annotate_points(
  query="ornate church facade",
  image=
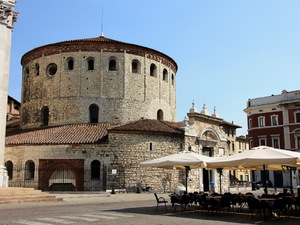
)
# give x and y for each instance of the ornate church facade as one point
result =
(93, 109)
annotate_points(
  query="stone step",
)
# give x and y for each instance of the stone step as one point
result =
(25, 200)
(22, 195)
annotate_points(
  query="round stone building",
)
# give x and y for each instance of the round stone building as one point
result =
(96, 80)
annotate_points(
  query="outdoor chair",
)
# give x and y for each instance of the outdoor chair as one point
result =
(160, 200)
(254, 206)
(281, 207)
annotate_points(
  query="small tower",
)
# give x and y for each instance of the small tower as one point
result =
(7, 17)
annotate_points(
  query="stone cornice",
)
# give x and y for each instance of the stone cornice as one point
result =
(97, 45)
(7, 14)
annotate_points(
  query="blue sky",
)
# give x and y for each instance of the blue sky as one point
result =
(227, 51)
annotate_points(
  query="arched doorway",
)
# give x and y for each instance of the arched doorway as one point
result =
(208, 139)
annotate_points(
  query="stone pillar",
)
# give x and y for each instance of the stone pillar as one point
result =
(286, 129)
(7, 17)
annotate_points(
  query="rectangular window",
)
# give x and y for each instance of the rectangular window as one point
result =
(262, 141)
(297, 116)
(261, 121)
(274, 120)
(298, 142)
(250, 123)
(275, 142)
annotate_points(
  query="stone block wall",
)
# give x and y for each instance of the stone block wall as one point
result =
(122, 95)
(124, 153)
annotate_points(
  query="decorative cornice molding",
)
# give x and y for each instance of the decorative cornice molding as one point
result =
(7, 14)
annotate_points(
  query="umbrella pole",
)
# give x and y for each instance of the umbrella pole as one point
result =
(220, 183)
(265, 179)
(219, 170)
(187, 168)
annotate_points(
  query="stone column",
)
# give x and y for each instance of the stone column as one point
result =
(7, 17)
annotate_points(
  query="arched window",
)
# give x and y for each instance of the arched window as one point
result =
(90, 64)
(172, 79)
(95, 169)
(37, 69)
(160, 114)
(45, 116)
(153, 70)
(9, 167)
(70, 64)
(94, 113)
(165, 75)
(112, 65)
(135, 66)
(29, 170)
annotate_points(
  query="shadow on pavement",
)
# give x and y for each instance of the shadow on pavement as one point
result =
(230, 218)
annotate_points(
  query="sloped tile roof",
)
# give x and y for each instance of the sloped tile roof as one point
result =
(147, 125)
(68, 134)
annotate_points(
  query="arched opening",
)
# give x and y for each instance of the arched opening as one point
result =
(160, 114)
(37, 69)
(173, 79)
(29, 170)
(9, 167)
(165, 75)
(153, 70)
(112, 65)
(62, 179)
(70, 64)
(90, 64)
(135, 66)
(95, 170)
(45, 116)
(94, 113)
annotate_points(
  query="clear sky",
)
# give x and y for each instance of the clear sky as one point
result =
(227, 51)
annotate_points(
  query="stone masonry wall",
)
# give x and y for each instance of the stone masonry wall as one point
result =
(124, 153)
(121, 95)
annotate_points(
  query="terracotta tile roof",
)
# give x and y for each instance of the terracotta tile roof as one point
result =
(147, 125)
(230, 124)
(68, 134)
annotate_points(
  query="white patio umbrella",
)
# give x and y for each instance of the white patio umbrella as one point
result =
(258, 158)
(184, 160)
